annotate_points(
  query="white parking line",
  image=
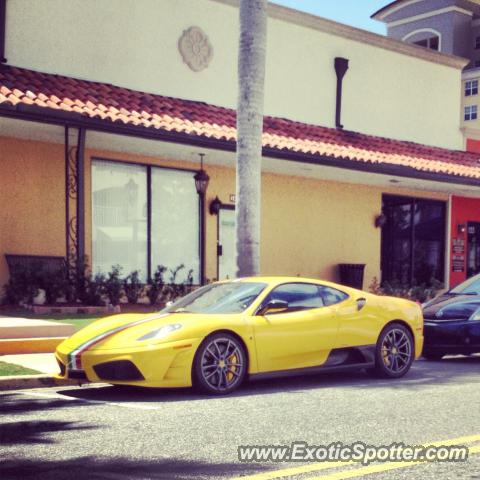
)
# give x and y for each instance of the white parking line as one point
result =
(57, 396)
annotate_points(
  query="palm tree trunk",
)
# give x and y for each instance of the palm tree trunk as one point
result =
(251, 78)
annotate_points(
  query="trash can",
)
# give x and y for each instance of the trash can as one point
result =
(351, 274)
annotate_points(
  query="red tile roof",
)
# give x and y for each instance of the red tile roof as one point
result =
(157, 113)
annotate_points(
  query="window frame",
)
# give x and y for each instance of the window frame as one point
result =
(392, 200)
(471, 88)
(428, 43)
(345, 294)
(470, 113)
(149, 167)
(264, 302)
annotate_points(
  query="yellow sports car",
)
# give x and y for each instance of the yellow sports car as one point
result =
(217, 336)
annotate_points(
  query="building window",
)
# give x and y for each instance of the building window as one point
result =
(477, 63)
(433, 43)
(175, 221)
(119, 201)
(477, 43)
(471, 88)
(470, 112)
(128, 201)
(413, 241)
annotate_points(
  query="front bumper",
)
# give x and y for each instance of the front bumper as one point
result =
(161, 365)
(458, 336)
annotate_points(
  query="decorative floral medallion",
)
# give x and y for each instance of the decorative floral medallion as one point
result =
(195, 48)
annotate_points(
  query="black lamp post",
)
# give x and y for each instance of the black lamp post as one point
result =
(201, 184)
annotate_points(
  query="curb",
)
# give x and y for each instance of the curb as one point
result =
(35, 381)
(13, 346)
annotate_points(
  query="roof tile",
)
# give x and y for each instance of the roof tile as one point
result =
(116, 104)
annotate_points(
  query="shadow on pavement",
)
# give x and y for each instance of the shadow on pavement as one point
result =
(13, 403)
(423, 374)
(35, 432)
(118, 468)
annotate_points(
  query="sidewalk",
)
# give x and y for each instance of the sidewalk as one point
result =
(42, 362)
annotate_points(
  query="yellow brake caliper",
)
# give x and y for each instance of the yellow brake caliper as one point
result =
(232, 359)
(386, 360)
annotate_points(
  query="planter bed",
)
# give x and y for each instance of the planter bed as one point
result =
(72, 309)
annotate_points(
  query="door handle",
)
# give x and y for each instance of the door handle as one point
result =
(219, 250)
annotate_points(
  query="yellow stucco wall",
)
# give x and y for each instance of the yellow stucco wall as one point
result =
(32, 200)
(308, 226)
(391, 83)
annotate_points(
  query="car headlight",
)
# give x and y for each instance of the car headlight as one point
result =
(161, 332)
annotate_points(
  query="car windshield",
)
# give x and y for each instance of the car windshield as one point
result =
(230, 297)
(468, 287)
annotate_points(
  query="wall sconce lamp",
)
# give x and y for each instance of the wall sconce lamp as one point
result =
(201, 178)
(461, 228)
(380, 220)
(215, 206)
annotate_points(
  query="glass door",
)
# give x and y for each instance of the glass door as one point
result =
(226, 257)
(473, 249)
(413, 240)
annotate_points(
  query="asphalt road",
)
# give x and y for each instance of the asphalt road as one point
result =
(103, 432)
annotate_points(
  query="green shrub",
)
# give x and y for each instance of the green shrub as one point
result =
(22, 287)
(78, 284)
(94, 290)
(417, 293)
(54, 284)
(132, 287)
(113, 285)
(156, 284)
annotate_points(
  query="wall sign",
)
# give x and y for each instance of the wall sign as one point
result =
(458, 263)
(458, 246)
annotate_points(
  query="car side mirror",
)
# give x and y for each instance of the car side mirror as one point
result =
(274, 306)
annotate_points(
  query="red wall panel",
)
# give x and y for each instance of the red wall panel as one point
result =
(473, 145)
(463, 210)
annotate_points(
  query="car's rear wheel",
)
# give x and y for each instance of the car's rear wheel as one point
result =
(394, 352)
(220, 364)
(433, 356)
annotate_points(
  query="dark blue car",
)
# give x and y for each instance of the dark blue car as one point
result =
(452, 321)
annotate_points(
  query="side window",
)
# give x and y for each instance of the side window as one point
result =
(331, 296)
(299, 296)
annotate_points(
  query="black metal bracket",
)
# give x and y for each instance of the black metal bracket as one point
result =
(3, 29)
(341, 67)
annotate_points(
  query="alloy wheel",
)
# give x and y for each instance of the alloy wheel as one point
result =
(222, 364)
(396, 351)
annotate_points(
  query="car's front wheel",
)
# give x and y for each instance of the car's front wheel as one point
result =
(220, 364)
(395, 351)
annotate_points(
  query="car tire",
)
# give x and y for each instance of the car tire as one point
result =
(394, 352)
(220, 364)
(433, 356)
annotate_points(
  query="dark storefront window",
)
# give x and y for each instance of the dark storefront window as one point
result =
(413, 240)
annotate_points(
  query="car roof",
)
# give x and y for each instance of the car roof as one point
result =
(277, 280)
